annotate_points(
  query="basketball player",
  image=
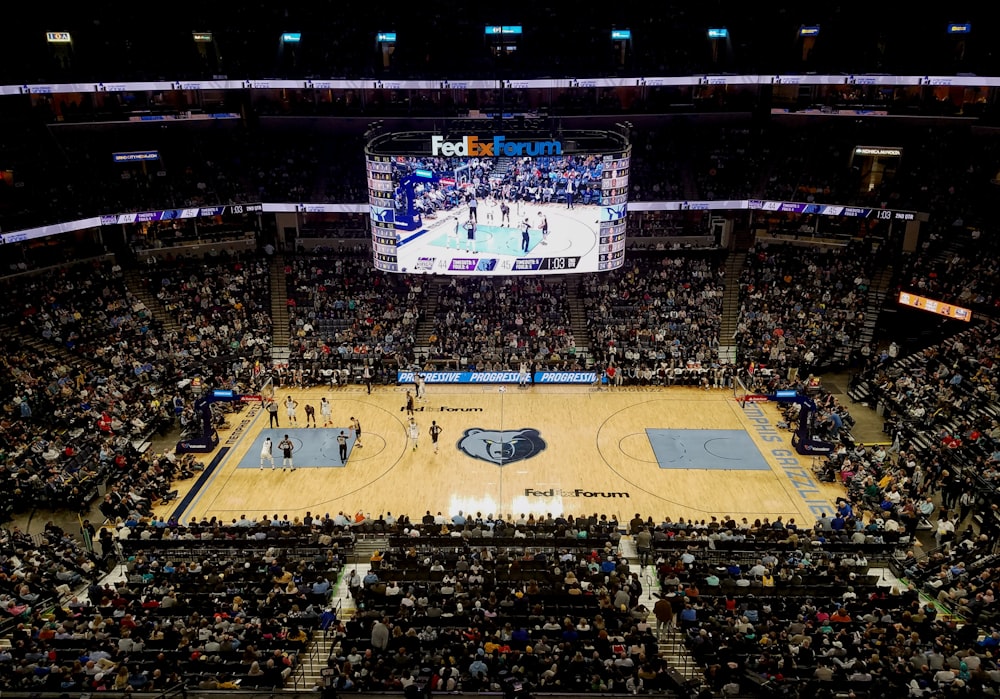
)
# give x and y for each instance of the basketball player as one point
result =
(421, 383)
(435, 432)
(504, 213)
(290, 406)
(453, 234)
(266, 454)
(356, 426)
(325, 410)
(543, 225)
(522, 379)
(342, 444)
(310, 415)
(414, 433)
(409, 403)
(470, 240)
(287, 448)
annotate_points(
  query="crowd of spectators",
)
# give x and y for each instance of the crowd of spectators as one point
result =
(941, 403)
(222, 310)
(657, 319)
(38, 570)
(213, 605)
(797, 608)
(493, 324)
(957, 265)
(78, 402)
(481, 600)
(343, 314)
(801, 307)
(97, 377)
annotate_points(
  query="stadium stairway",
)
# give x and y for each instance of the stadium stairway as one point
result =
(312, 662)
(279, 311)
(578, 321)
(428, 313)
(135, 284)
(876, 300)
(685, 671)
(322, 644)
(365, 546)
(731, 306)
(500, 169)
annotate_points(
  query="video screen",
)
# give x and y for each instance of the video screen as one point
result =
(498, 215)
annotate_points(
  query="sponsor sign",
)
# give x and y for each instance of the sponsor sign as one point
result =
(941, 308)
(575, 493)
(499, 377)
(474, 146)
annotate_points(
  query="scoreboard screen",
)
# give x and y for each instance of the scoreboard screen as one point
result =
(498, 206)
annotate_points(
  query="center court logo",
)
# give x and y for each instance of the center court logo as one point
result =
(473, 146)
(501, 448)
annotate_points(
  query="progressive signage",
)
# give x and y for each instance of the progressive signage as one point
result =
(499, 377)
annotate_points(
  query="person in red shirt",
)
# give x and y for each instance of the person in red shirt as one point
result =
(614, 375)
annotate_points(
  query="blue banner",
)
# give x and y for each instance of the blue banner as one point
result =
(498, 377)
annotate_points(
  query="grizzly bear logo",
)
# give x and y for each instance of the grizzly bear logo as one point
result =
(501, 448)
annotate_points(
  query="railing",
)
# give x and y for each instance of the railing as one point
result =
(179, 689)
(298, 676)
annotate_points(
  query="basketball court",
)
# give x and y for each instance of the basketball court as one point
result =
(677, 452)
(573, 232)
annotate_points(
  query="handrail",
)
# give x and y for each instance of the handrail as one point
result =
(179, 688)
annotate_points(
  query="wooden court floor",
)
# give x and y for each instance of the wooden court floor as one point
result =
(563, 449)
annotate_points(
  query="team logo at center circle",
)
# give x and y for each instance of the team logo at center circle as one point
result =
(501, 447)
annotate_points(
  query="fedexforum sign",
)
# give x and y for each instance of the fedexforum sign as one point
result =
(473, 146)
(575, 493)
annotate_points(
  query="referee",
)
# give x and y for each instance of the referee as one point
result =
(342, 443)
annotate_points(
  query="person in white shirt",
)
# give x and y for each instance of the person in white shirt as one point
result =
(290, 405)
(325, 410)
(414, 433)
(945, 529)
(266, 454)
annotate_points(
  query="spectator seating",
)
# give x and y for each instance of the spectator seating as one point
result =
(487, 324)
(342, 315)
(801, 305)
(658, 318)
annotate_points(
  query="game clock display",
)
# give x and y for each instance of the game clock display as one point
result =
(514, 207)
